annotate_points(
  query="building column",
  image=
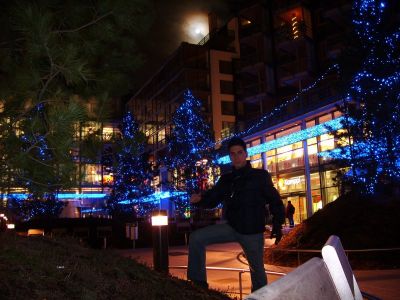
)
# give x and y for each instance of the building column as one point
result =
(309, 201)
(264, 154)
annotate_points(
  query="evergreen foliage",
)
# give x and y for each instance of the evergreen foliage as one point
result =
(133, 174)
(372, 105)
(190, 150)
(37, 206)
(55, 58)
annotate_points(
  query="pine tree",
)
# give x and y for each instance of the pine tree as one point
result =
(133, 173)
(190, 150)
(55, 56)
(373, 101)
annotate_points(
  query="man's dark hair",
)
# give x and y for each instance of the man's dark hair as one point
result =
(235, 141)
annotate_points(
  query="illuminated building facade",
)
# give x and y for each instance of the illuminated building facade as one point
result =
(205, 69)
(268, 73)
(290, 152)
(93, 177)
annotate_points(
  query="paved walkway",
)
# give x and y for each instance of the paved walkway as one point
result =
(384, 284)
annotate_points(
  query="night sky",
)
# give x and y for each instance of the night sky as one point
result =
(174, 23)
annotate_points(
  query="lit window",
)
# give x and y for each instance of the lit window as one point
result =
(327, 145)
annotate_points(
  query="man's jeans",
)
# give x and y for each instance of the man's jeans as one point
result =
(252, 245)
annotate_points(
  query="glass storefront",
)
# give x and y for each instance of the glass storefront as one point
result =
(299, 203)
(293, 188)
(255, 160)
(286, 165)
(91, 174)
(330, 188)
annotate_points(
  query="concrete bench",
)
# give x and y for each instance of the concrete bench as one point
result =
(328, 278)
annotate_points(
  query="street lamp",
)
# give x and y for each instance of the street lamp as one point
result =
(159, 222)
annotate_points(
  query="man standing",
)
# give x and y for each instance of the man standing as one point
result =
(289, 213)
(244, 193)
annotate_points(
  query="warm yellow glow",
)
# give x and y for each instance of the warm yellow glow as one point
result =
(195, 27)
(327, 145)
(108, 179)
(313, 149)
(35, 232)
(159, 220)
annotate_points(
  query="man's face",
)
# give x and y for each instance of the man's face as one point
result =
(238, 156)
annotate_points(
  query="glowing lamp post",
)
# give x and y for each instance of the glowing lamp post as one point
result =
(159, 222)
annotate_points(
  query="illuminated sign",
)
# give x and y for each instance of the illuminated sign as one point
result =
(292, 181)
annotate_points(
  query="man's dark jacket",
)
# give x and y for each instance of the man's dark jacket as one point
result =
(244, 193)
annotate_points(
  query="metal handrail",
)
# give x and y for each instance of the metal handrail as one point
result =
(369, 296)
(298, 251)
(240, 270)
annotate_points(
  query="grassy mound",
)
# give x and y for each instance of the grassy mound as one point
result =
(359, 222)
(41, 268)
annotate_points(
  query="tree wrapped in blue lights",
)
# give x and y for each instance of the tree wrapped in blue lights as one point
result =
(36, 206)
(373, 101)
(132, 175)
(190, 151)
(39, 165)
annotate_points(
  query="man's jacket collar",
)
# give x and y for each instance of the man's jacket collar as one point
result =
(242, 171)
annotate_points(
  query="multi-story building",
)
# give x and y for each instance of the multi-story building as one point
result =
(207, 70)
(273, 61)
(93, 176)
(285, 48)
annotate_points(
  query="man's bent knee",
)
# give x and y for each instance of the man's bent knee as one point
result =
(195, 238)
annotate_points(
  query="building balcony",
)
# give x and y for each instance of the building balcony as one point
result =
(249, 30)
(288, 37)
(289, 73)
(254, 58)
(220, 40)
(334, 45)
(254, 90)
(338, 11)
(251, 60)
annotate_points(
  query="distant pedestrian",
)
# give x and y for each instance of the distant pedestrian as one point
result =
(245, 192)
(290, 212)
(3, 225)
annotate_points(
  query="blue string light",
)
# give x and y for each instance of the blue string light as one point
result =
(305, 134)
(158, 196)
(71, 196)
(190, 156)
(374, 154)
(133, 173)
(279, 108)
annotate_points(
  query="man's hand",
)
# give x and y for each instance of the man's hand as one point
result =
(195, 198)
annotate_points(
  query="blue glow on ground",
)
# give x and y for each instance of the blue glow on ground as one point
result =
(62, 196)
(156, 197)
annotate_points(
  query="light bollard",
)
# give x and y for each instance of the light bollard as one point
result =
(159, 223)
